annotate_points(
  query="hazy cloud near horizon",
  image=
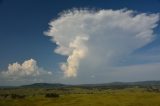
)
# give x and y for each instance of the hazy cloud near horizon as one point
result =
(96, 42)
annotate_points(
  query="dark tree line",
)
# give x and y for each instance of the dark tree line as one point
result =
(13, 96)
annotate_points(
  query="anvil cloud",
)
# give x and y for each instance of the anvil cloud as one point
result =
(93, 40)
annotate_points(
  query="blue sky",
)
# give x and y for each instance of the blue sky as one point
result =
(23, 23)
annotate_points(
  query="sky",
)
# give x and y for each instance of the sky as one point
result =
(79, 41)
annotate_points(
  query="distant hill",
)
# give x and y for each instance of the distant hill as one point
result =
(103, 85)
(43, 85)
(121, 85)
(139, 83)
(155, 83)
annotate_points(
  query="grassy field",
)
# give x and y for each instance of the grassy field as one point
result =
(80, 97)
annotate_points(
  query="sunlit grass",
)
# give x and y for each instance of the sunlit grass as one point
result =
(124, 97)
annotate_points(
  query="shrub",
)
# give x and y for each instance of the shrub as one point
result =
(15, 96)
(52, 95)
(4, 95)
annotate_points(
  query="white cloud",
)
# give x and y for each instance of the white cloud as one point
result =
(79, 52)
(28, 68)
(110, 36)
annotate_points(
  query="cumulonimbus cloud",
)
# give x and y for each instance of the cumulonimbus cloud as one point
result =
(99, 37)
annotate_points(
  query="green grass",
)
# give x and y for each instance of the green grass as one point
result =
(83, 97)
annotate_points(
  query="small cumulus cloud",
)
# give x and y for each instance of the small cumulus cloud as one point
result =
(94, 40)
(27, 70)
